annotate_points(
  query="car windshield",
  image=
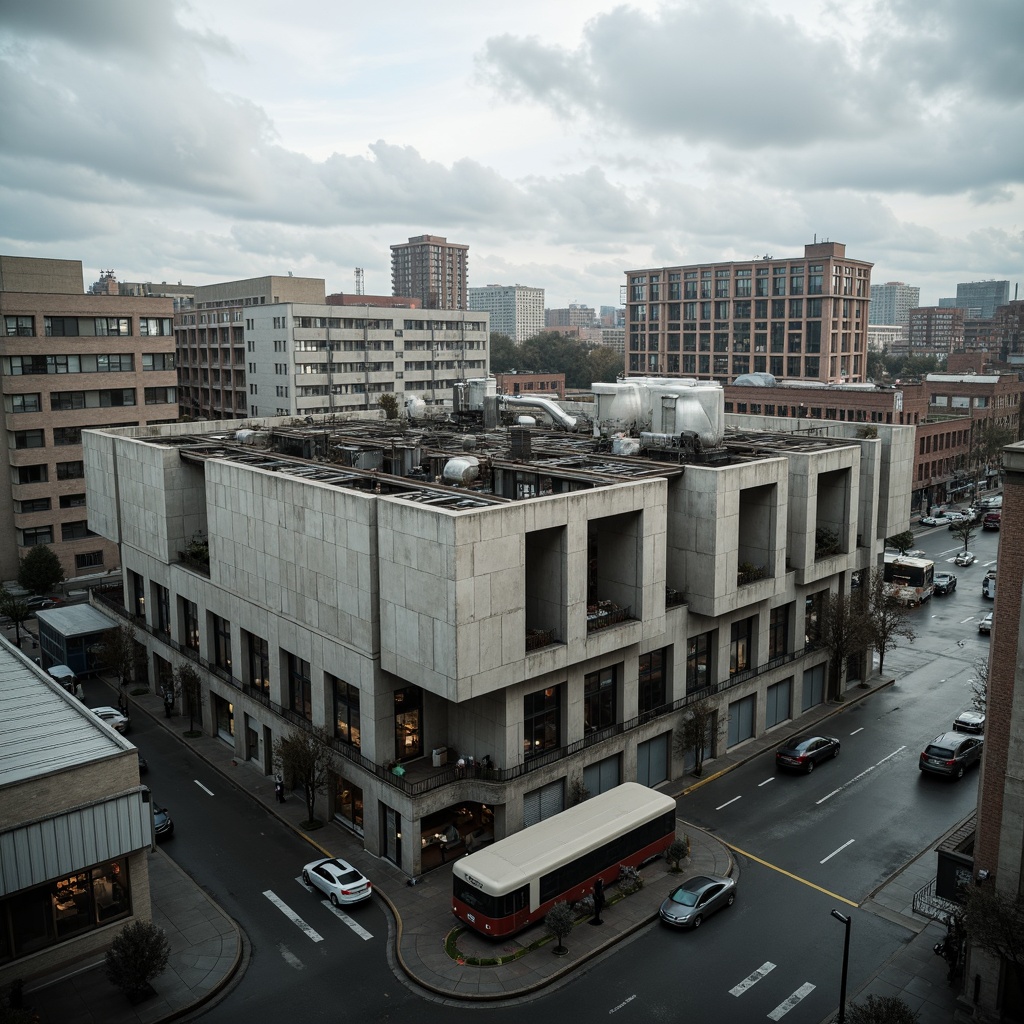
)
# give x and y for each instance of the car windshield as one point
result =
(684, 897)
(934, 751)
(348, 877)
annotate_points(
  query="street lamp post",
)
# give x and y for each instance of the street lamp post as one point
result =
(841, 1019)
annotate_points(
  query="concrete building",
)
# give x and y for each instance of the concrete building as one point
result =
(274, 346)
(885, 337)
(433, 270)
(801, 318)
(552, 384)
(933, 331)
(892, 302)
(69, 361)
(75, 826)
(573, 315)
(515, 310)
(983, 296)
(485, 620)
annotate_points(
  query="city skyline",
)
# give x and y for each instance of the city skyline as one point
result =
(202, 145)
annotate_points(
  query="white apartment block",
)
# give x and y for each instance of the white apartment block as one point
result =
(515, 310)
(892, 302)
(503, 615)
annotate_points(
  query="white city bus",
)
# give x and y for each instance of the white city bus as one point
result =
(910, 580)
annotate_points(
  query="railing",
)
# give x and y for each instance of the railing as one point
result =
(197, 564)
(928, 904)
(604, 617)
(674, 598)
(452, 773)
(537, 638)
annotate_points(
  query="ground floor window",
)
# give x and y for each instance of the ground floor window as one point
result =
(741, 720)
(225, 712)
(63, 908)
(602, 776)
(652, 760)
(777, 703)
(543, 802)
(814, 688)
(348, 803)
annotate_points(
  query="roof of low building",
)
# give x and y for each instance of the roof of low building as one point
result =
(76, 619)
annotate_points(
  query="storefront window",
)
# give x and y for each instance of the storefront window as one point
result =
(348, 803)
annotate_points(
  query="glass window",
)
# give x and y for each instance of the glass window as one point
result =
(76, 530)
(89, 560)
(698, 662)
(651, 682)
(20, 325)
(778, 632)
(190, 623)
(71, 470)
(346, 710)
(31, 536)
(67, 435)
(29, 439)
(300, 687)
(348, 803)
(741, 645)
(599, 699)
(258, 661)
(542, 725)
(25, 403)
(221, 642)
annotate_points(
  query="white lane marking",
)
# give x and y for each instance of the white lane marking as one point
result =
(752, 979)
(208, 792)
(786, 1005)
(968, 619)
(342, 916)
(893, 754)
(855, 731)
(857, 778)
(624, 1002)
(828, 796)
(292, 916)
(727, 802)
(771, 778)
(290, 958)
(834, 852)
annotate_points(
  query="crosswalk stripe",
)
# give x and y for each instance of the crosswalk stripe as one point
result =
(752, 979)
(342, 916)
(786, 1005)
(292, 916)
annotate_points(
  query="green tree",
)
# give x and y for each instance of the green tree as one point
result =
(888, 619)
(503, 353)
(902, 542)
(844, 631)
(117, 653)
(138, 954)
(307, 756)
(679, 849)
(881, 1010)
(559, 921)
(694, 730)
(188, 684)
(604, 364)
(16, 609)
(40, 570)
(390, 406)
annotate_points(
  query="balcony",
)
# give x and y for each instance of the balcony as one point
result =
(603, 614)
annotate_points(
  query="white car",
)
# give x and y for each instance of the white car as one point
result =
(965, 558)
(112, 717)
(338, 880)
(935, 520)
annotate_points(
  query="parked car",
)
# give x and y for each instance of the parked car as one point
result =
(804, 752)
(988, 584)
(162, 824)
(338, 880)
(945, 583)
(969, 721)
(112, 717)
(992, 521)
(956, 518)
(697, 898)
(940, 520)
(985, 626)
(951, 754)
(965, 558)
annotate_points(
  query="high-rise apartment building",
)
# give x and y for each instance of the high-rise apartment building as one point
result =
(934, 331)
(892, 302)
(71, 361)
(433, 270)
(803, 318)
(515, 310)
(983, 296)
(573, 315)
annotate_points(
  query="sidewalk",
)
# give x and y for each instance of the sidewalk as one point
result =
(423, 918)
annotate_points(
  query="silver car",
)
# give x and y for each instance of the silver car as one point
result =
(697, 898)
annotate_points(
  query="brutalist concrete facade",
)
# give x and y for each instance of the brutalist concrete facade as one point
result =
(556, 609)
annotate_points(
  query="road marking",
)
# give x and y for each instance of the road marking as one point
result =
(752, 979)
(786, 1005)
(727, 802)
(625, 1002)
(855, 731)
(771, 778)
(857, 778)
(970, 618)
(789, 874)
(834, 852)
(893, 754)
(342, 916)
(290, 958)
(208, 792)
(292, 916)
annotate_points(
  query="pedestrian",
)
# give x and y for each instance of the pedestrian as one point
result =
(598, 901)
(168, 702)
(279, 787)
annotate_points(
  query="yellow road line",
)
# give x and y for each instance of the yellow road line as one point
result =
(789, 874)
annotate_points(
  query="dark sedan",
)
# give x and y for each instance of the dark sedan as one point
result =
(945, 583)
(804, 752)
(697, 898)
(951, 754)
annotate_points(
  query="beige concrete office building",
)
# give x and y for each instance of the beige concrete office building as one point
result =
(70, 361)
(801, 318)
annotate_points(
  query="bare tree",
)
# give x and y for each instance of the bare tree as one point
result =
(882, 1010)
(978, 685)
(994, 920)
(188, 683)
(117, 654)
(306, 756)
(16, 609)
(888, 621)
(694, 728)
(844, 631)
(902, 542)
(964, 530)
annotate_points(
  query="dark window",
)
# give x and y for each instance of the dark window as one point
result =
(190, 622)
(162, 599)
(741, 645)
(346, 710)
(258, 657)
(542, 724)
(698, 662)
(31, 536)
(813, 617)
(72, 500)
(778, 632)
(89, 560)
(221, 643)
(161, 396)
(67, 435)
(348, 803)
(29, 439)
(61, 326)
(76, 530)
(599, 699)
(20, 325)
(71, 470)
(651, 683)
(33, 505)
(300, 687)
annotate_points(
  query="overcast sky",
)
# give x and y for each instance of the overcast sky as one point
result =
(565, 141)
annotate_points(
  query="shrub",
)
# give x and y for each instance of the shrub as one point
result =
(677, 851)
(138, 954)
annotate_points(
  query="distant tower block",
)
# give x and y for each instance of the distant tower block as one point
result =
(359, 281)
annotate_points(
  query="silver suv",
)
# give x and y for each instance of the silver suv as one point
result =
(951, 754)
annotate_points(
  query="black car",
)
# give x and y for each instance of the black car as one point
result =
(945, 583)
(951, 754)
(804, 752)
